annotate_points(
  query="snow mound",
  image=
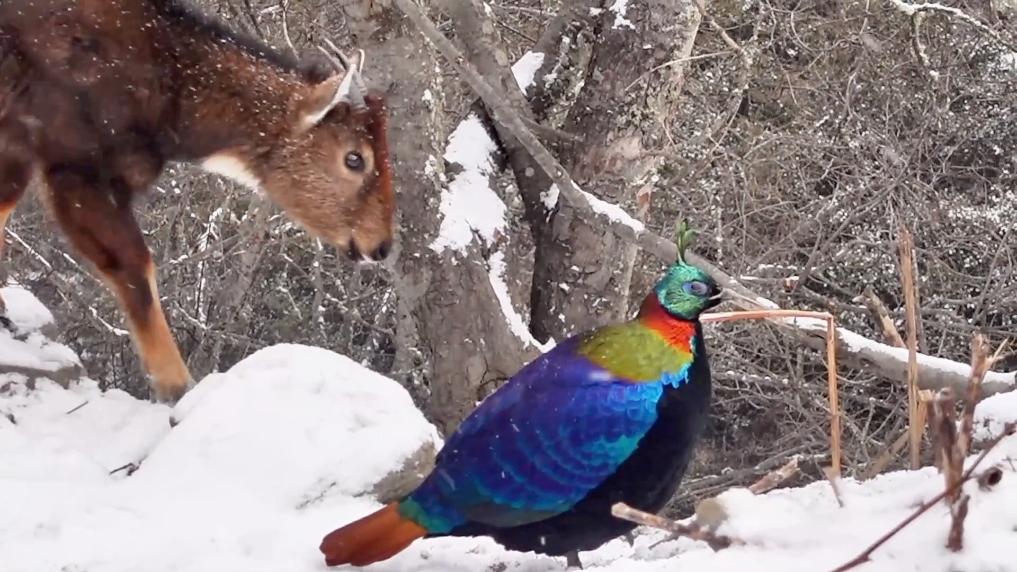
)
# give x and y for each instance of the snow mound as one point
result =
(287, 421)
(993, 413)
(263, 461)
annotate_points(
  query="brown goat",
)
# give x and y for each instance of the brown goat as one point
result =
(97, 95)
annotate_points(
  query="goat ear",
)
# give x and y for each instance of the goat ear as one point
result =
(323, 98)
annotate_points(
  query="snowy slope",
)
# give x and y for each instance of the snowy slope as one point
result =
(287, 445)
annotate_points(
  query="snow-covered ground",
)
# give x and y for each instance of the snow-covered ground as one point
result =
(287, 445)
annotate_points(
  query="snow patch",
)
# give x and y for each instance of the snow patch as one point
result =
(550, 197)
(469, 205)
(317, 393)
(267, 458)
(1008, 62)
(525, 69)
(620, 9)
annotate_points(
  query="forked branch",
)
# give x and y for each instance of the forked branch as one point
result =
(693, 531)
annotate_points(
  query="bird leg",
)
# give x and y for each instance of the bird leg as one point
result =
(572, 561)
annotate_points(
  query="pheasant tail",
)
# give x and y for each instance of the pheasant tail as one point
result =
(375, 537)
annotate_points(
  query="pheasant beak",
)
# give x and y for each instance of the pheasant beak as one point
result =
(717, 297)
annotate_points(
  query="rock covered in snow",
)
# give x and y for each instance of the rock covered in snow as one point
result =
(298, 423)
(993, 413)
(27, 350)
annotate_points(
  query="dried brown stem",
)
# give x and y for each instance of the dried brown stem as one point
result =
(979, 365)
(958, 512)
(834, 478)
(884, 458)
(695, 532)
(907, 265)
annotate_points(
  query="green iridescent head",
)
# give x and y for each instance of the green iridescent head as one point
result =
(686, 291)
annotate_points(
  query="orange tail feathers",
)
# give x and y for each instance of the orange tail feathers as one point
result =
(377, 536)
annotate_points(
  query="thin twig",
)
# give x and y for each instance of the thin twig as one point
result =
(881, 316)
(670, 63)
(913, 9)
(716, 541)
(285, 4)
(888, 454)
(84, 403)
(129, 468)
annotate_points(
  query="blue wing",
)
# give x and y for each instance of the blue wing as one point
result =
(536, 446)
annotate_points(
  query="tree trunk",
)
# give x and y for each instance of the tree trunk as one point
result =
(580, 277)
(448, 306)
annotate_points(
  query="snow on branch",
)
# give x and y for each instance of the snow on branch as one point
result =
(858, 351)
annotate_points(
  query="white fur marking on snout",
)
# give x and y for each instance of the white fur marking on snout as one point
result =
(233, 168)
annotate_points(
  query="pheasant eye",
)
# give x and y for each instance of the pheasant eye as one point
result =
(695, 288)
(354, 161)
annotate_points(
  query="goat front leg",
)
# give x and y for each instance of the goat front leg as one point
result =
(97, 219)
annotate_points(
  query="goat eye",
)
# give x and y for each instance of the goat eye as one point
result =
(354, 161)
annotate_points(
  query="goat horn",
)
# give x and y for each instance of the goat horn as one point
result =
(352, 87)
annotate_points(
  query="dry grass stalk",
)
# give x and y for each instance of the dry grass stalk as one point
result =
(980, 363)
(834, 478)
(907, 266)
(881, 317)
(693, 531)
(833, 392)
